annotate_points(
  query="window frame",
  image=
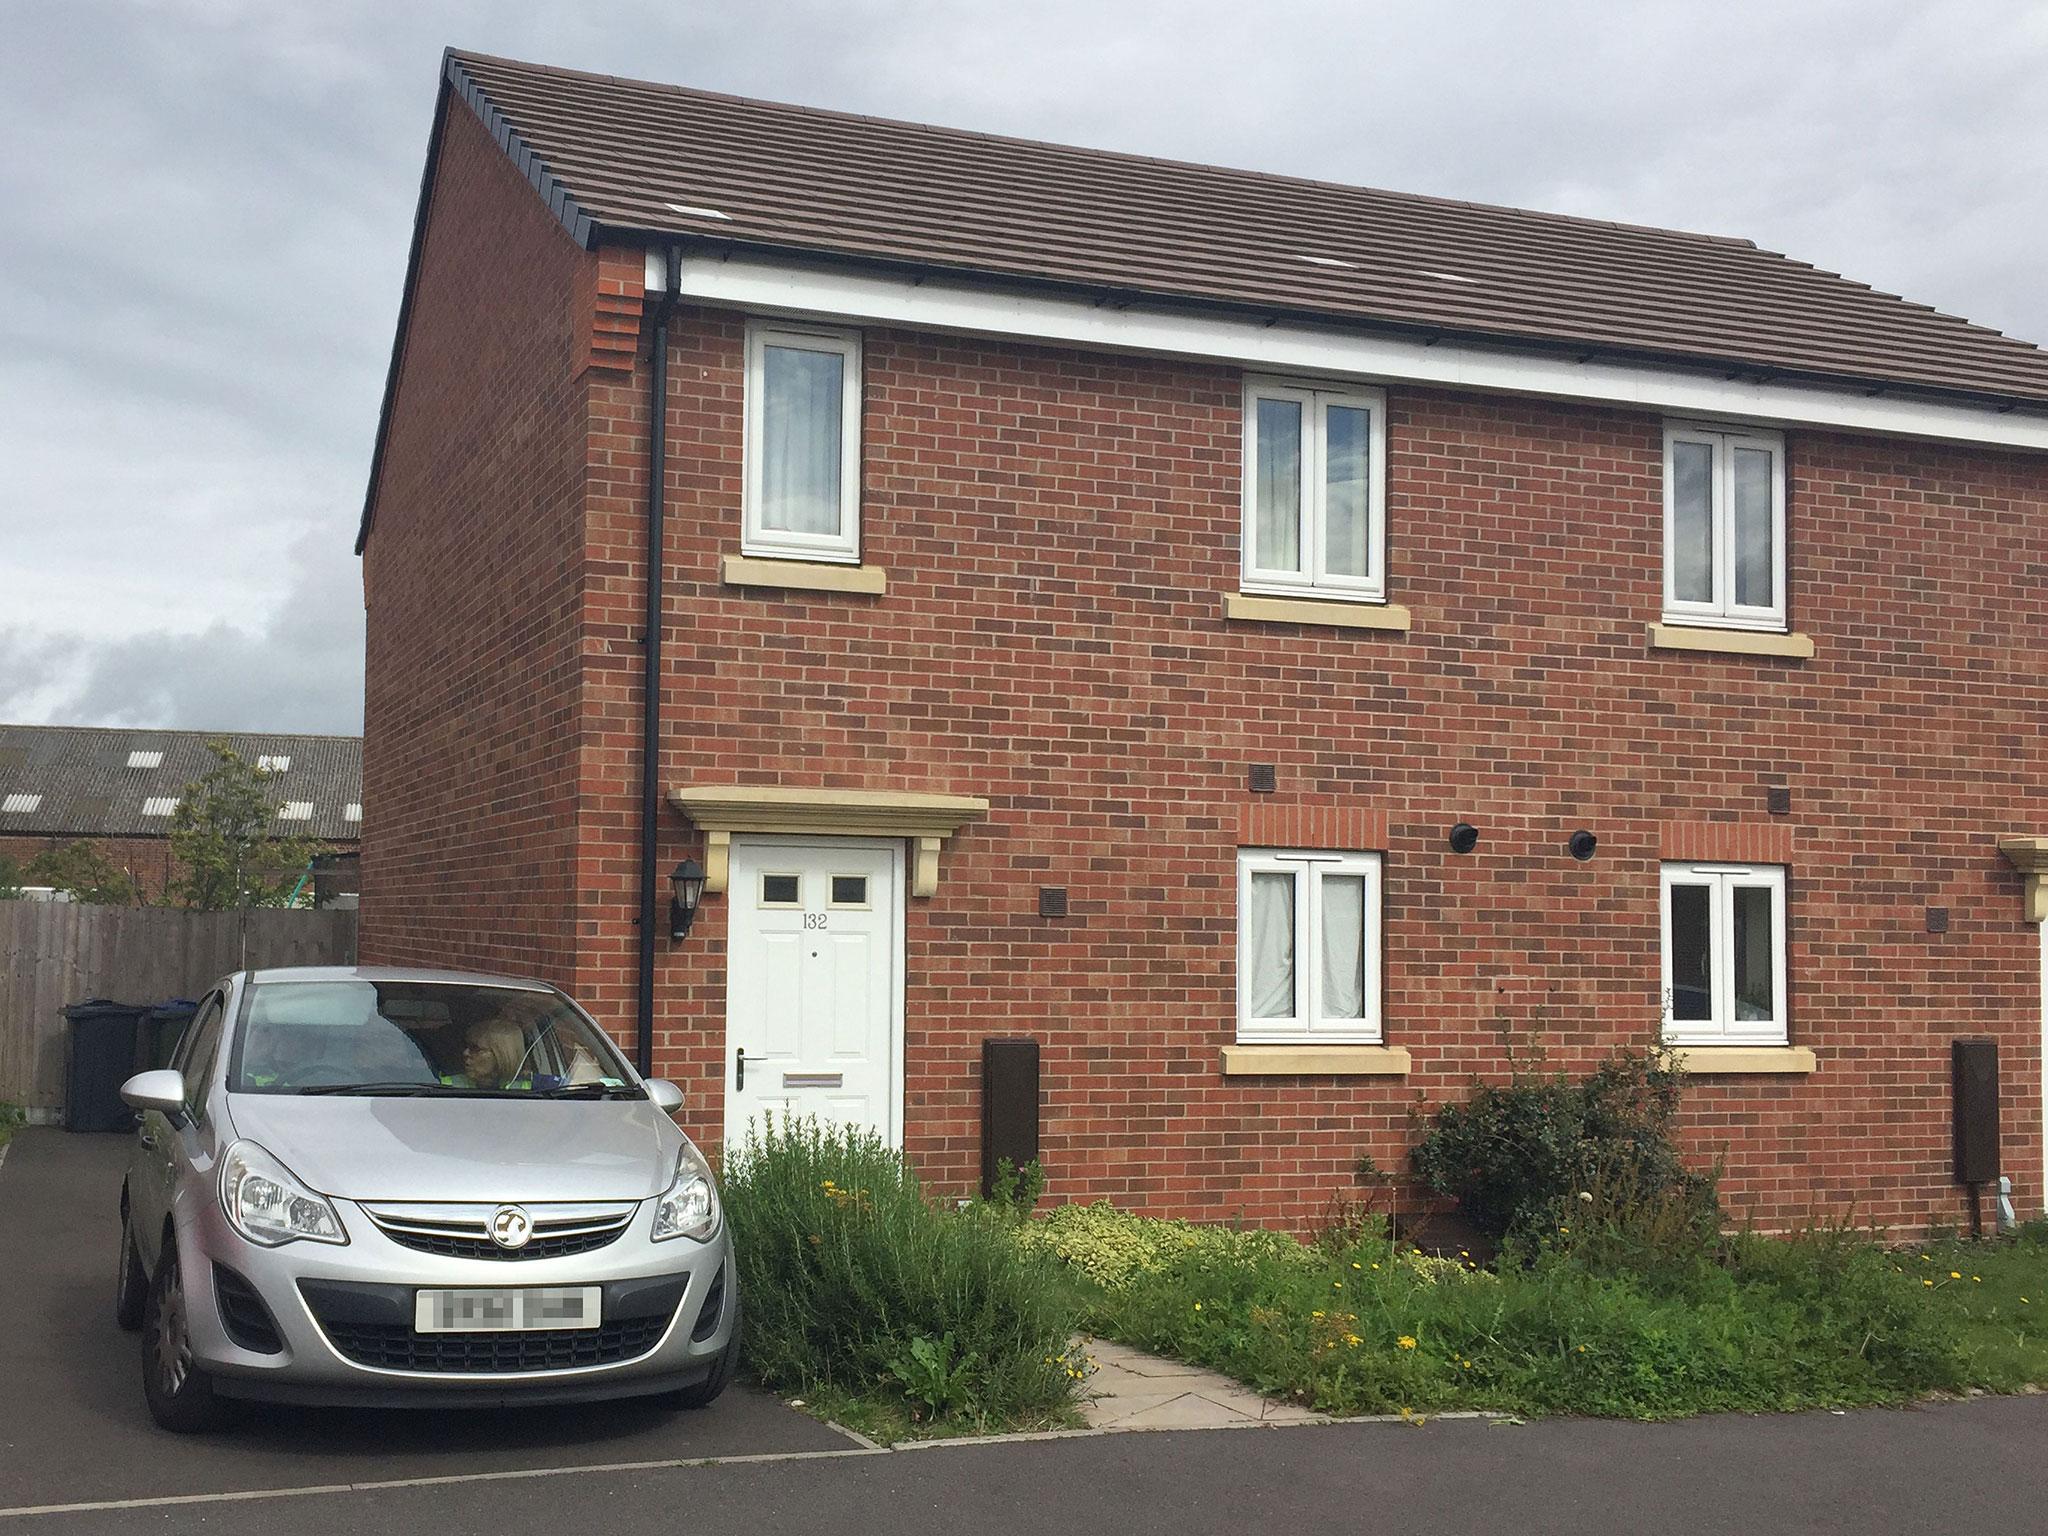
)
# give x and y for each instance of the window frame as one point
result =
(1316, 399)
(1308, 867)
(1722, 611)
(842, 547)
(1722, 1027)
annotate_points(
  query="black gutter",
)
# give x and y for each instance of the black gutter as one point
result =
(650, 710)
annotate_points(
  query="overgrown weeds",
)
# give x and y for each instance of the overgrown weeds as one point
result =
(855, 1285)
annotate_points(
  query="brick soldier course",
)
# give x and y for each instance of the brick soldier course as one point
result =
(1059, 530)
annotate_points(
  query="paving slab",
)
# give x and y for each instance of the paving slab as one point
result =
(73, 1426)
(1130, 1389)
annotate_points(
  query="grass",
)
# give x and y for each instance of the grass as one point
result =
(1587, 1325)
(12, 1118)
(879, 1309)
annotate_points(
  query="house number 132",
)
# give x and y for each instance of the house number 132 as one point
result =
(814, 919)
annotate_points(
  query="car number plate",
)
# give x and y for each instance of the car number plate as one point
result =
(530, 1309)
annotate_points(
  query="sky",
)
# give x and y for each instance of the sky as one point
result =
(208, 204)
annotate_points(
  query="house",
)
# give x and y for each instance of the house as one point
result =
(117, 789)
(1282, 647)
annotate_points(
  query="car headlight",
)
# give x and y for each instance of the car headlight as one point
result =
(267, 1205)
(689, 1206)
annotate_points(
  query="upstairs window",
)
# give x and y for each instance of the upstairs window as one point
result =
(1724, 954)
(1314, 490)
(1724, 528)
(802, 444)
(1308, 947)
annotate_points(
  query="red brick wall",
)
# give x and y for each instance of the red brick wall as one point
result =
(1059, 530)
(148, 859)
(473, 576)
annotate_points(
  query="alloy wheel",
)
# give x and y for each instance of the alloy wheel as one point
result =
(173, 1339)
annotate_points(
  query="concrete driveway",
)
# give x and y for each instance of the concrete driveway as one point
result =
(73, 1426)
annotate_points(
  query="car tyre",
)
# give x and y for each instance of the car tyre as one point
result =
(180, 1395)
(706, 1392)
(131, 1286)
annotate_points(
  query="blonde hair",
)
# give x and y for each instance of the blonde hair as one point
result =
(504, 1042)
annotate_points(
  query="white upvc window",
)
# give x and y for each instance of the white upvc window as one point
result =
(1308, 946)
(1724, 954)
(803, 398)
(1724, 527)
(1315, 478)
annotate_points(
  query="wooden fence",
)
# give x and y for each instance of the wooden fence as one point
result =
(55, 953)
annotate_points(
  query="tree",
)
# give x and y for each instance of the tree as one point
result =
(221, 834)
(12, 878)
(84, 870)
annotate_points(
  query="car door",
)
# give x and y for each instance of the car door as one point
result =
(160, 1147)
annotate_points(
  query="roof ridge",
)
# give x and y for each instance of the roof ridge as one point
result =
(1128, 157)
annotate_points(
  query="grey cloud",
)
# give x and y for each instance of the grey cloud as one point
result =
(209, 205)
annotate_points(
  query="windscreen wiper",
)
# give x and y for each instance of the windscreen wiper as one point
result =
(391, 1090)
(588, 1091)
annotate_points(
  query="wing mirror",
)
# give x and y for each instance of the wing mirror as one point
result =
(667, 1097)
(162, 1091)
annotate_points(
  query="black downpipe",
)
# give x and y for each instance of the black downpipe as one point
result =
(650, 713)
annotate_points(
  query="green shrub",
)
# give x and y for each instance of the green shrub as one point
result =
(1521, 1159)
(12, 1118)
(853, 1281)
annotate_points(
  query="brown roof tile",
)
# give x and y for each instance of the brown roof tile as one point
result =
(796, 178)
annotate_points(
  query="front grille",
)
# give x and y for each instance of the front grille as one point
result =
(373, 1325)
(463, 1231)
(539, 1247)
(243, 1315)
(396, 1347)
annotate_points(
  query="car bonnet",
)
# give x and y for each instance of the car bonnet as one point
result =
(455, 1149)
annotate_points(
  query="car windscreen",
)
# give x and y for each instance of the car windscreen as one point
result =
(420, 1038)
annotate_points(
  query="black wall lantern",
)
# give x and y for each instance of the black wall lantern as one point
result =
(1464, 837)
(687, 881)
(1582, 843)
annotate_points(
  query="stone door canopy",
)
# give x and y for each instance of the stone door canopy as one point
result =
(926, 819)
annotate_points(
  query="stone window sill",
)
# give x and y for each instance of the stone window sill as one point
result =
(1334, 611)
(1314, 1061)
(805, 575)
(1730, 642)
(1748, 1060)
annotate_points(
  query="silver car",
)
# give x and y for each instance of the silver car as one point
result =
(415, 1188)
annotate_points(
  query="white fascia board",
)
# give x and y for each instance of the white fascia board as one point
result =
(817, 291)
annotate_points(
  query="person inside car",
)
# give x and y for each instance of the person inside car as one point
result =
(493, 1056)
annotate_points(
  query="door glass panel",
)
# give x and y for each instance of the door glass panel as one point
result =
(781, 890)
(1692, 522)
(1752, 529)
(1754, 993)
(1343, 946)
(800, 430)
(1347, 486)
(1279, 489)
(1692, 949)
(849, 890)
(1269, 947)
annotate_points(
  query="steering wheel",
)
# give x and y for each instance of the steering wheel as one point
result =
(316, 1073)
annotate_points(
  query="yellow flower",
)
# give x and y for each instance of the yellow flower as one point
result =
(1198, 1306)
(1356, 1265)
(2023, 1301)
(1927, 1282)
(1582, 1349)
(1336, 1285)
(1315, 1314)
(1406, 1341)
(1976, 1279)
(1955, 1274)
(1468, 1365)
(1926, 1258)
(1564, 1229)
(1353, 1340)
(1375, 1266)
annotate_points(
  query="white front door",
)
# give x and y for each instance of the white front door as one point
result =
(813, 983)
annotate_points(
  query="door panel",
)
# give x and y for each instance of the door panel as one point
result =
(812, 983)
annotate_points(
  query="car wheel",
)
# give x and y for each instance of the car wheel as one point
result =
(727, 1366)
(180, 1395)
(131, 1285)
